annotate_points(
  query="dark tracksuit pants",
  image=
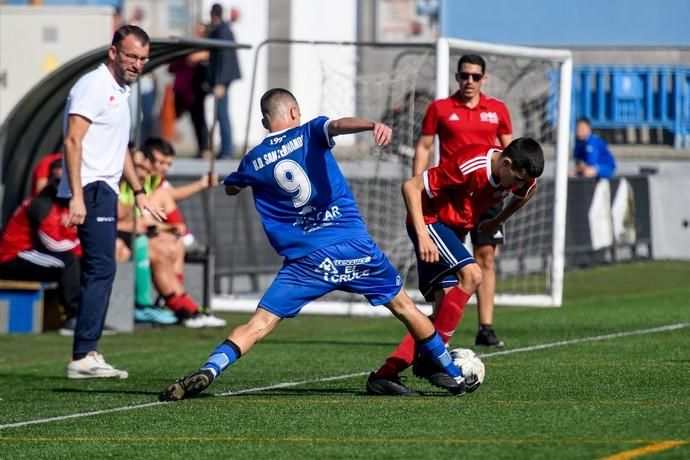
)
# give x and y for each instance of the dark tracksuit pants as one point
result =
(97, 235)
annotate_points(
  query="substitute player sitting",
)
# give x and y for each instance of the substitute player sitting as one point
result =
(444, 203)
(311, 218)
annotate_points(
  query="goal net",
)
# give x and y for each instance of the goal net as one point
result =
(535, 84)
(395, 83)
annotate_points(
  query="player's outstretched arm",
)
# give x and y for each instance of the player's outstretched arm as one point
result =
(192, 188)
(351, 125)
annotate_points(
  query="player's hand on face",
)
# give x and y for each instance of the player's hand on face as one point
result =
(77, 212)
(382, 134)
(428, 251)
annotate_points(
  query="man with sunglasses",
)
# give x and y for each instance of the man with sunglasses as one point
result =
(96, 134)
(470, 117)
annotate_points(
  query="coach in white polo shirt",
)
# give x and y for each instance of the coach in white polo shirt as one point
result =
(96, 130)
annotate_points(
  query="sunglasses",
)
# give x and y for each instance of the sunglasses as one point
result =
(466, 76)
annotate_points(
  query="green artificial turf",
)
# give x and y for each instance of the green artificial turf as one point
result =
(603, 383)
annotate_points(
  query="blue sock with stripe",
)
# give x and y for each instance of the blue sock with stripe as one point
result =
(223, 356)
(434, 348)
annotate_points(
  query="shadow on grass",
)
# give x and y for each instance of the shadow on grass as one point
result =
(330, 342)
(301, 392)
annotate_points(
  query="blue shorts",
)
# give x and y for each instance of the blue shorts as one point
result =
(453, 256)
(356, 266)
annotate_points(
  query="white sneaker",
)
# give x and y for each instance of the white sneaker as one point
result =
(195, 322)
(213, 321)
(93, 366)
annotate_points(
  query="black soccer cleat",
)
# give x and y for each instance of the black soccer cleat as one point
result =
(187, 386)
(388, 386)
(487, 337)
(424, 368)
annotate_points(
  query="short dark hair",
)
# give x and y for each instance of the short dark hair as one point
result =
(273, 99)
(130, 29)
(473, 59)
(217, 10)
(55, 164)
(584, 120)
(156, 143)
(526, 153)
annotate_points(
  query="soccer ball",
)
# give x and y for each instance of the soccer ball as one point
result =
(469, 363)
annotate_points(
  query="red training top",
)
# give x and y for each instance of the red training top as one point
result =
(458, 125)
(37, 225)
(42, 170)
(462, 188)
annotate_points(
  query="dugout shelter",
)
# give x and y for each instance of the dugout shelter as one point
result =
(34, 126)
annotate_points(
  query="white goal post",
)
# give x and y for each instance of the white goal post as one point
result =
(395, 82)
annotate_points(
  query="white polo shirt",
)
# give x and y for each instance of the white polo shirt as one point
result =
(99, 98)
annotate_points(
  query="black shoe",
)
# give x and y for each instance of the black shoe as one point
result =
(424, 368)
(487, 337)
(388, 386)
(187, 386)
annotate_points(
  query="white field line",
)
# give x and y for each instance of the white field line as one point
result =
(615, 335)
(667, 328)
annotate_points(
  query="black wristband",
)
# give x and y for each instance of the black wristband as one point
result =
(141, 191)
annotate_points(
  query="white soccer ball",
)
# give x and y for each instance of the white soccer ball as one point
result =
(469, 363)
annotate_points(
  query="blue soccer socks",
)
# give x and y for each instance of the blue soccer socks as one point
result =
(434, 348)
(223, 356)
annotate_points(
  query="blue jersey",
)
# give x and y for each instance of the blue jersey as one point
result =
(593, 151)
(299, 191)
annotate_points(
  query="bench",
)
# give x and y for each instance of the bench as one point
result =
(206, 260)
(34, 306)
(21, 306)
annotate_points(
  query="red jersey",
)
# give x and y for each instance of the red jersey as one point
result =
(462, 188)
(458, 125)
(42, 170)
(38, 225)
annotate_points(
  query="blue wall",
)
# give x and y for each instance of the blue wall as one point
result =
(569, 22)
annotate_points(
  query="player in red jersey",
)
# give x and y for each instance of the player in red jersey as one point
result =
(444, 203)
(41, 175)
(470, 117)
(37, 245)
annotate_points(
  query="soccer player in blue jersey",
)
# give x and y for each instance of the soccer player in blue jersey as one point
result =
(311, 218)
